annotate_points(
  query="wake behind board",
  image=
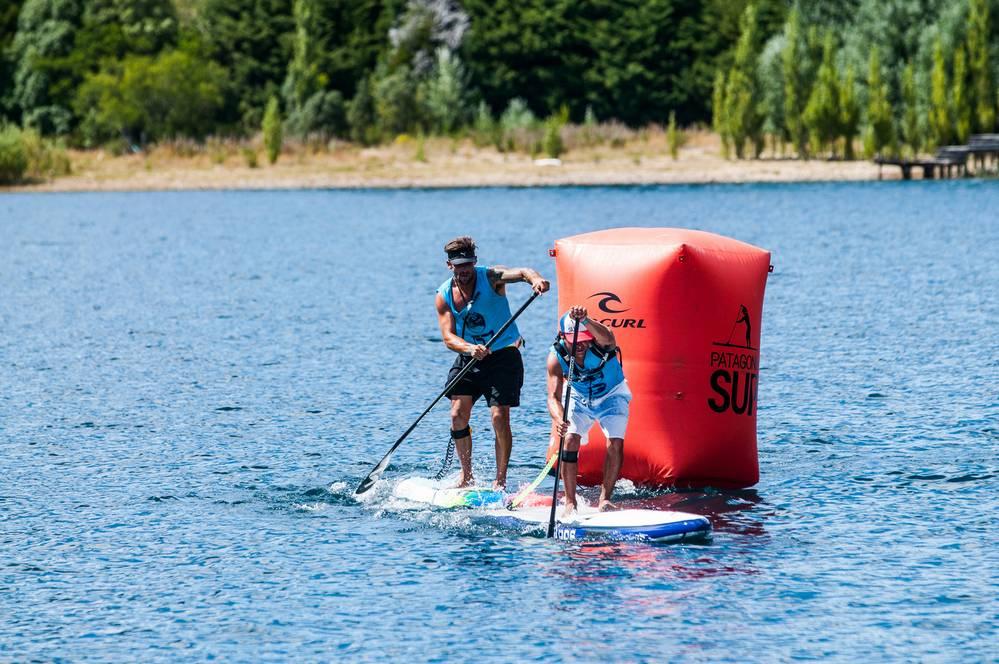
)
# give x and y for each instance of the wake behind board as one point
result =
(586, 523)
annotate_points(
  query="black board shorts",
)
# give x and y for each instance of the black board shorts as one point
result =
(498, 378)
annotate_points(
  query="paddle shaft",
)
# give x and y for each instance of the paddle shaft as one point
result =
(565, 419)
(369, 481)
(519, 498)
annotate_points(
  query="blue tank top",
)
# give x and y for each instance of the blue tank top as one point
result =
(591, 383)
(477, 324)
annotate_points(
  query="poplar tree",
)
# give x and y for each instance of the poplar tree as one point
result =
(795, 88)
(304, 79)
(849, 112)
(980, 68)
(822, 114)
(961, 103)
(939, 108)
(719, 119)
(911, 134)
(742, 90)
(880, 129)
(772, 84)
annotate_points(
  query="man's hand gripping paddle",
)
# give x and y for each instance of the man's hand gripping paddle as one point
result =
(565, 419)
(380, 467)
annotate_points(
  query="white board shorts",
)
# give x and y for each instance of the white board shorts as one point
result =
(609, 411)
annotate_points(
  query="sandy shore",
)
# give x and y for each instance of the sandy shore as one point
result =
(443, 163)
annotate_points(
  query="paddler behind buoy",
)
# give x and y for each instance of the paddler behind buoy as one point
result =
(471, 308)
(599, 394)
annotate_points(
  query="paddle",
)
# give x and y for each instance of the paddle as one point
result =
(380, 467)
(565, 419)
(519, 498)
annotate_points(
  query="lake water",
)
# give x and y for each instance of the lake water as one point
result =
(193, 383)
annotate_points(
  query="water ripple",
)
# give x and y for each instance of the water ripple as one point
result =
(193, 384)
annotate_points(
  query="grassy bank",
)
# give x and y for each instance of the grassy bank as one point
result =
(632, 157)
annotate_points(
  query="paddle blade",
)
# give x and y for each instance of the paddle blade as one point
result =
(373, 476)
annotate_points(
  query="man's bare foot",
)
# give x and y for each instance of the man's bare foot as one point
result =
(499, 486)
(465, 482)
(568, 512)
(607, 506)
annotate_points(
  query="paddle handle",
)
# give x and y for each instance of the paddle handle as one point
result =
(380, 467)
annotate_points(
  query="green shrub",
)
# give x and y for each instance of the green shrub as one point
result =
(517, 116)
(324, 113)
(552, 144)
(118, 146)
(421, 153)
(443, 94)
(250, 155)
(13, 155)
(361, 115)
(272, 130)
(485, 130)
(174, 94)
(46, 159)
(673, 136)
(589, 127)
(395, 98)
(25, 155)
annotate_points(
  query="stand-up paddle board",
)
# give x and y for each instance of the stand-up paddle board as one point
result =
(587, 522)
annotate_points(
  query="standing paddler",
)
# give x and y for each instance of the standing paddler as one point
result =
(471, 307)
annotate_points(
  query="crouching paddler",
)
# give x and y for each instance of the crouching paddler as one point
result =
(599, 394)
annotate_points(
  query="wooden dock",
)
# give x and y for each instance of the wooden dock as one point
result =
(950, 160)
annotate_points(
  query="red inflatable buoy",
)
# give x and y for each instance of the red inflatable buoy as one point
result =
(685, 307)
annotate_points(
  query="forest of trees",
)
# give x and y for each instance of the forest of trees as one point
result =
(804, 78)
(904, 76)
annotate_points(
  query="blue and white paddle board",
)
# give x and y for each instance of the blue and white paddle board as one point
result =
(586, 523)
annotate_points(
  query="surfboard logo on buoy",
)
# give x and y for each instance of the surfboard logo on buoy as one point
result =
(736, 374)
(605, 305)
(608, 298)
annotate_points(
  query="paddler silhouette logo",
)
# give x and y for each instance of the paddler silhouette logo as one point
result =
(742, 319)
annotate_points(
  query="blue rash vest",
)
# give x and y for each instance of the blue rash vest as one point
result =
(488, 312)
(593, 381)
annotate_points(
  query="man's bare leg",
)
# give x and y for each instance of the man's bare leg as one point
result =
(569, 472)
(504, 443)
(612, 468)
(461, 413)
